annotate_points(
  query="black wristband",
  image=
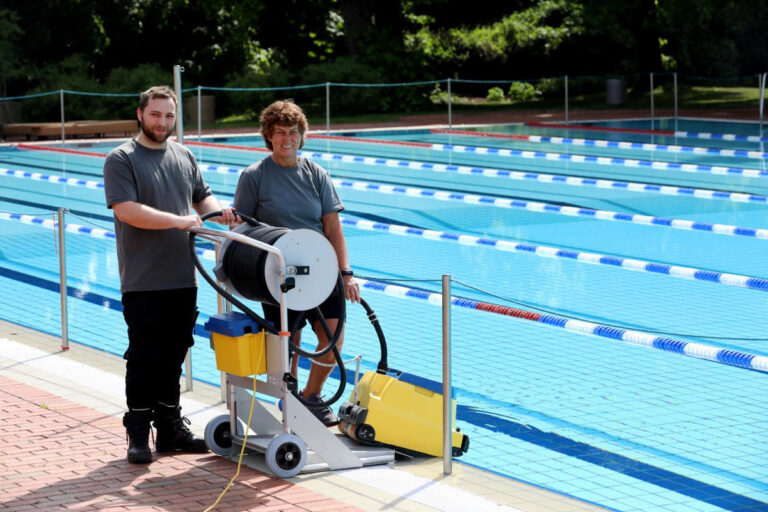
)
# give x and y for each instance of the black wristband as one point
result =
(347, 273)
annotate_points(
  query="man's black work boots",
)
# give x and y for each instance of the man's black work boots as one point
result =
(173, 435)
(137, 428)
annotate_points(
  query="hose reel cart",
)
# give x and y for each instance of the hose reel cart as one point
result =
(387, 411)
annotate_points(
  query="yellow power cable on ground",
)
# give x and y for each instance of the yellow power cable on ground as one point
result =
(242, 450)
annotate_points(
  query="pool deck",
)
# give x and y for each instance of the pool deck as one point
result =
(62, 447)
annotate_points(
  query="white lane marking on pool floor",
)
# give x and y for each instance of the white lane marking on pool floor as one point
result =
(440, 496)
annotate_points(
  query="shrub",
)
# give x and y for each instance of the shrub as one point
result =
(495, 94)
(522, 91)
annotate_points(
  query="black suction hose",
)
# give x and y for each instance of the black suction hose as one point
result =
(331, 347)
(382, 366)
(318, 315)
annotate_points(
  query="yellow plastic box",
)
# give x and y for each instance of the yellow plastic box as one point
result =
(241, 355)
(239, 349)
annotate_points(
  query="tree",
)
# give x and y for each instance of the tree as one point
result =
(619, 37)
(716, 38)
(374, 34)
(10, 51)
(525, 43)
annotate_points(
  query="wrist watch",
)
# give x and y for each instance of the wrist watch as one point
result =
(347, 273)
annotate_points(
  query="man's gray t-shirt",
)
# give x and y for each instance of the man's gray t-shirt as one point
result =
(166, 179)
(290, 197)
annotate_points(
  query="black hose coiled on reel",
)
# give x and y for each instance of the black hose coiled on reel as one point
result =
(242, 263)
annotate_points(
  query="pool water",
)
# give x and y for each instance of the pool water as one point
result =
(597, 417)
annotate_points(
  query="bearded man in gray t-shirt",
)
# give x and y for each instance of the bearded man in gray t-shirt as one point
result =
(152, 184)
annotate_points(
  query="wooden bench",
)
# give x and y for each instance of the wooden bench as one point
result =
(32, 131)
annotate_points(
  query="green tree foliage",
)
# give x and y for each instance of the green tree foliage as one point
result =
(304, 32)
(716, 38)
(10, 51)
(93, 45)
(209, 38)
(373, 33)
(617, 37)
(523, 44)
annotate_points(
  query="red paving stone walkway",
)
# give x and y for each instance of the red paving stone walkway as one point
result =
(58, 455)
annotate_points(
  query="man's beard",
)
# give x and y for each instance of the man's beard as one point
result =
(153, 137)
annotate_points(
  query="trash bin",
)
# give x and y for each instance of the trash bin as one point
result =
(207, 110)
(615, 91)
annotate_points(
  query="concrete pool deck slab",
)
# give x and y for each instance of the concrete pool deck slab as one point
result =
(63, 448)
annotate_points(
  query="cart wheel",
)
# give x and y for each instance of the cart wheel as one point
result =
(218, 435)
(286, 455)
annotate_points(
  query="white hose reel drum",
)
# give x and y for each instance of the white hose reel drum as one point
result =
(252, 273)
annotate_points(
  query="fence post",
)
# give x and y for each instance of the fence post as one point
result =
(674, 76)
(450, 100)
(327, 108)
(61, 105)
(652, 113)
(63, 282)
(199, 116)
(177, 70)
(761, 85)
(447, 426)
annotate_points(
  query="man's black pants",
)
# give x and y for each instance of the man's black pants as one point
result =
(160, 326)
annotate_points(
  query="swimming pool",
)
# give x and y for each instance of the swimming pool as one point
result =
(627, 247)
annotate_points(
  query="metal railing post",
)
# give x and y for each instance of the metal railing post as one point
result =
(566, 98)
(63, 282)
(199, 115)
(61, 105)
(188, 370)
(674, 76)
(450, 104)
(447, 396)
(761, 85)
(327, 108)
(652, 113)
(177, 70)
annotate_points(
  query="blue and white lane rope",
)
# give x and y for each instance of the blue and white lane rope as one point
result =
(740, 281)
(641, 146)
(603, 160)
(682, 134)
(698, 193)
(755, 283)
(53, 224)
(697, 350)
(36, 176)
(569, 211)
(532, 206)
(721, 136)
